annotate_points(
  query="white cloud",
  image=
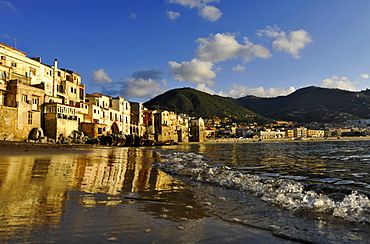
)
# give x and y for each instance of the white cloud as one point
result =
(341, 83)
(140, 88)
(203, 87)
(7, 4)
(192, 3)
(365, 76)
(142, 85)
(206, 11)
(133, 16)
(173, 15)
(100, 76)
(238, 68)
(242, 91)
(292, 43)
(221, 47)
(195, 71)
(210, 13)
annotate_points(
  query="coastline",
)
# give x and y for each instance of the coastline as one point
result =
(17, 148)
(247, 140)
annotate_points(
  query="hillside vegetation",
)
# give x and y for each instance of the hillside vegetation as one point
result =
(312, 104)
(200, 104)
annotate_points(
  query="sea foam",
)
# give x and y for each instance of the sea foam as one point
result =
(290, 194)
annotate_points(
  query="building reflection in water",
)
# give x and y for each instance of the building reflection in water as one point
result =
(34, 191)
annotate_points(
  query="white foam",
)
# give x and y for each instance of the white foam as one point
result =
(284, 192)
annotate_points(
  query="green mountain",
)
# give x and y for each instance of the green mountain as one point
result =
(312, 104)
(200, 104)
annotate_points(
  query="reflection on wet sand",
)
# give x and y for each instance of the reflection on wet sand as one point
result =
(34, 191)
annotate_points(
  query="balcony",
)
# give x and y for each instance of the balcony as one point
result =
(21, 78)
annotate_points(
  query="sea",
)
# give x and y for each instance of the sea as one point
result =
(307, 191)
(296, 191)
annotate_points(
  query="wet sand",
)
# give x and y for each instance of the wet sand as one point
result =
(94, 215)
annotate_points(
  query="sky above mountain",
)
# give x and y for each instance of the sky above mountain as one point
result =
(138, 49)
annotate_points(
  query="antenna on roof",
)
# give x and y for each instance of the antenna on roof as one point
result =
(16, 43)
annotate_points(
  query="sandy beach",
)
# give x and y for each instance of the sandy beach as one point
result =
(122, 215)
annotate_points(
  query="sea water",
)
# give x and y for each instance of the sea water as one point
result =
(306, 191)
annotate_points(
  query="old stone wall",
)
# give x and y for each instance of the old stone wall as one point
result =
(8, 124)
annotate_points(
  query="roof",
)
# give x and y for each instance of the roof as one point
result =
(11, 48)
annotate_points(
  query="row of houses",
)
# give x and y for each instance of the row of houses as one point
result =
(37, 95)
(258, 132)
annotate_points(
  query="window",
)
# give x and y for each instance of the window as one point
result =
(32, 72)
(30, 118)
(14, 64)
(35, 100)
(24, 98)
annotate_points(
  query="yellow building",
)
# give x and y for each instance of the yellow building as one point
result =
(315, 133)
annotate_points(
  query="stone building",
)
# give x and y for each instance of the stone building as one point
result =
(137, 122)
(20, 97)
(148, 121)
(170, 127)
(106, 115)
(197, 130)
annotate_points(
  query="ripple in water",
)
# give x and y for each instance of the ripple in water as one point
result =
(348, 204)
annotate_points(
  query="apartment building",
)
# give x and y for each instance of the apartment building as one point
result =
(137, 121)
(20, 97)
(197, 130)
(170, 126)
(106, 115)
(148, 121)
(315, 133)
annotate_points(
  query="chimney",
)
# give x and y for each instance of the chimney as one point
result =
(55, 64)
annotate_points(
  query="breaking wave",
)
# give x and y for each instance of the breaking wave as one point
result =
(340, 202)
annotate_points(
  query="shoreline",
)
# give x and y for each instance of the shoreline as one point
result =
(17, 148)
(248, 140)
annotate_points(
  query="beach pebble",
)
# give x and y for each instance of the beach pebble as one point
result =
(236, 220)
(180, 227)
(148, 230)
(190, 207)
(112, 239)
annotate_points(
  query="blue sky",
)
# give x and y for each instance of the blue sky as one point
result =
(138, 49)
